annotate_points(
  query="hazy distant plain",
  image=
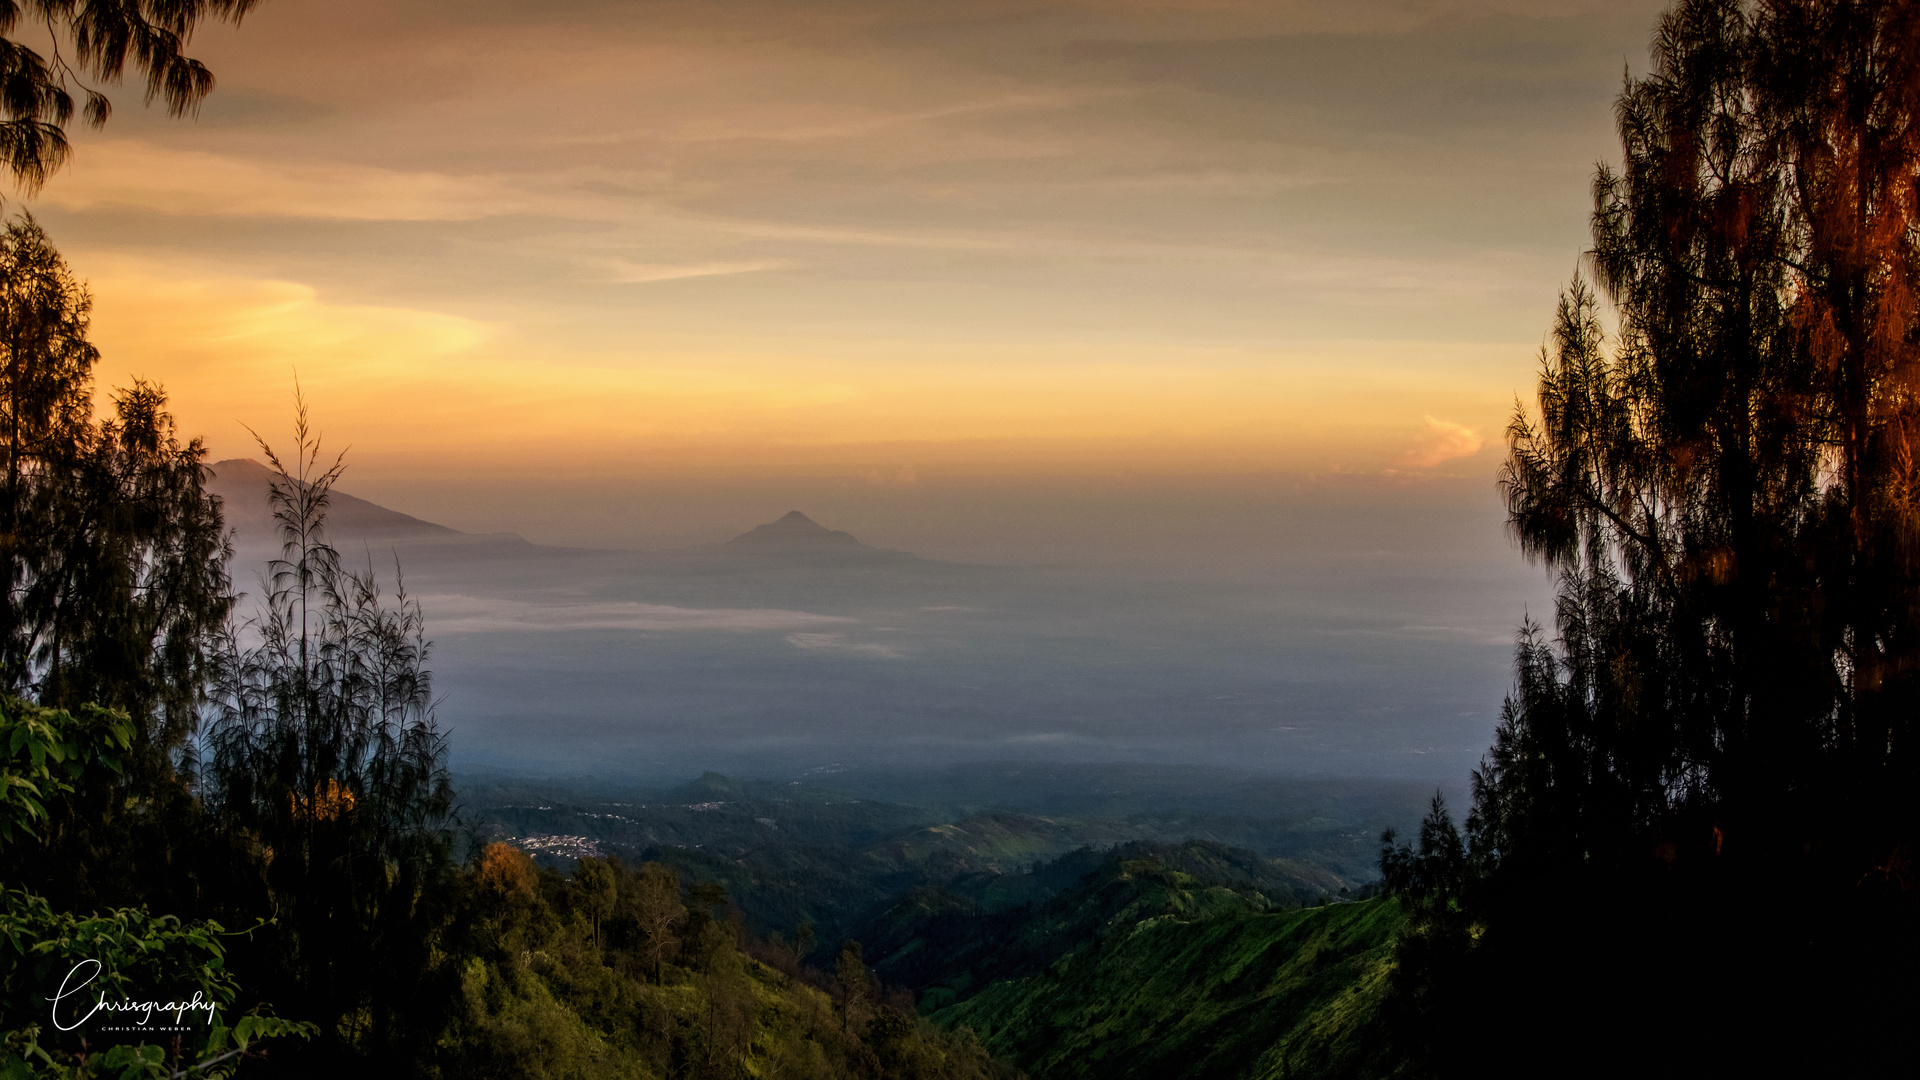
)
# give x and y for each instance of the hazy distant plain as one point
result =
(1339, 657)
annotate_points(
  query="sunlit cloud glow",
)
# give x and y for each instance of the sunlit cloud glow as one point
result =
(877, 241)
(1444, 441)
(228, 350)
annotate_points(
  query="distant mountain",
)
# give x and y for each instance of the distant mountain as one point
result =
(242, 484)
(798, 534)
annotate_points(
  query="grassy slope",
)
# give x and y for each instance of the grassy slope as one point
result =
(545, 997)
(1234, 995)
(948, 943)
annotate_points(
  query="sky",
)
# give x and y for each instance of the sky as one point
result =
(999, 279)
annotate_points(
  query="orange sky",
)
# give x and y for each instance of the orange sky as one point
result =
(864, 239)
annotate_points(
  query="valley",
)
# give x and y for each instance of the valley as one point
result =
(1188, 903)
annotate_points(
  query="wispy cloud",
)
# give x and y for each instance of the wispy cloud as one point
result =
(856, 126)
(461, 614)
(633, 273)
(128, 172)
(839, 643)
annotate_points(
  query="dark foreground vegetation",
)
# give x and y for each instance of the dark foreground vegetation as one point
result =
(1697, 825)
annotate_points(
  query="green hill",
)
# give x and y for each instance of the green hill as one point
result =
(1221, 992)
(790, 853)
(946, 943)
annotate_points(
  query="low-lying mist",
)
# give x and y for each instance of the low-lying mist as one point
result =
(657, 666)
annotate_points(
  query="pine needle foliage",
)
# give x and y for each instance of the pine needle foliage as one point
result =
(115, 554)
(116, 589)
(94, 42)
(1721, 724)
(1727, 488)
(323, 747)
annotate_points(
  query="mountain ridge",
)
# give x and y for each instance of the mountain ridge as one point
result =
(243, 486)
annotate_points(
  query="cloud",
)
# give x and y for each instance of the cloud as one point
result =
(839, 643)
(1444, 441)
(128, 172)
(227, 348)
(145, 311)
(632, 273)
(867, 122)
(1479, 635)
(462, 614)
(402, 381)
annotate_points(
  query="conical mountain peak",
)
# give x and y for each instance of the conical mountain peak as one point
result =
(794, 533)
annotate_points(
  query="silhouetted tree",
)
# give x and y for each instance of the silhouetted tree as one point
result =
(1436, 868)
(1720, 726)
(97, 40)
(323, 747)
(116, 590)
(1727, 489)
(116, 561)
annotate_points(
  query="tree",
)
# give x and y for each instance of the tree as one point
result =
(1721, 722)
(119, 955)
(115, 555)
(116, 587)
(1435, 868)
(597, 885)
(856, 985)
(506, 876)
(1728, 492)
(98, 40)
(658, 912)
(323, 746)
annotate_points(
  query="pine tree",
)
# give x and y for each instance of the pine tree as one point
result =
(94, 42)
(323, 748)
(116, 587)
(1716, 734)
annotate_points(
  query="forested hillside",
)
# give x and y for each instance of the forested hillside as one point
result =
(1194, 992)
(949, 943)
(806, 852)
(607, 973)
